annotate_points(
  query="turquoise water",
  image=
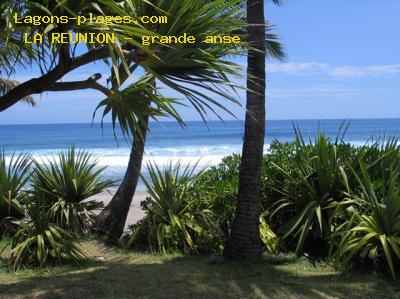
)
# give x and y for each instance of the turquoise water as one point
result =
(170, 142)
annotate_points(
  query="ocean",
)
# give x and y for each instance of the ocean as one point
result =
(169, 142)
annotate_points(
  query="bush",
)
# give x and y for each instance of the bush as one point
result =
(65, 183)
(378, 157)
(47, 217)
(214, 195)
(191, 213)
(312, 186)
(372, 228)
(212, 200)
(297, 179)
(38, 241)
(13, 178)
(168, 225)
(324, 197)
(274, 178)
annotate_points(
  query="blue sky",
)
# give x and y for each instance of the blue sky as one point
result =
(342, 62)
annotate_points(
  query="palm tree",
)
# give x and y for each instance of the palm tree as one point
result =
(244, 241)
(198, 73)
(12, 53)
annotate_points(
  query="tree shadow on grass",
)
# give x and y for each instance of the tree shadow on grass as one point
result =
(125, 276)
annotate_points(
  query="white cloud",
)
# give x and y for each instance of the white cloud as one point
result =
(293, 68)
(313, 91)
(315, 68)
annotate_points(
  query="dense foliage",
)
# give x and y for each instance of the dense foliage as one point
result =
(66, 183)
(38, 240)
(322, 197)
(168, 224)
(14, 174)
(44, 206)
(372, 224)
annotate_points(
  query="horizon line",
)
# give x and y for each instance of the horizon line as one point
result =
(230, 120)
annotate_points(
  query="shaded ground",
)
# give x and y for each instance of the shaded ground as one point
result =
(120, 274)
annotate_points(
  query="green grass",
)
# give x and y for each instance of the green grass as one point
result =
(123, 274)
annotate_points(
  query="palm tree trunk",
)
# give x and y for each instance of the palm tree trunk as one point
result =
(244, 241)
(111, 221)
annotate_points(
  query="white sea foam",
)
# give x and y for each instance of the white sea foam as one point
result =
(116, 159)
(205, 155)
(208, 160)
(122, 160)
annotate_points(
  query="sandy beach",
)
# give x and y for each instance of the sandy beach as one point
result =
(135, 212)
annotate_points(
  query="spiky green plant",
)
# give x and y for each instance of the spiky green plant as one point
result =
(168, 224)
(373, 226)
(67, 182)
(14, 175)
(378, 156)
(313, 186)
(38, 241)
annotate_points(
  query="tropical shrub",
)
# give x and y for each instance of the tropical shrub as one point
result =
(378, 157)
(65, 184)
(168, 225)
(372, 229)
(38, 241)
(14, 175)
(314, 194)
(48, 206)
(273, 178)
(215, 194)
(300, 180)
(312, 186)
(189, 212)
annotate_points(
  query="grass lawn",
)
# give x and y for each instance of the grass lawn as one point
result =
(121, 274)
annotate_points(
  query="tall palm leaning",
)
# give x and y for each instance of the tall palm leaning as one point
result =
(244, 242)
(199, 73)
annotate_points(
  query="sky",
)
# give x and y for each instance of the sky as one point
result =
(342, 62)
